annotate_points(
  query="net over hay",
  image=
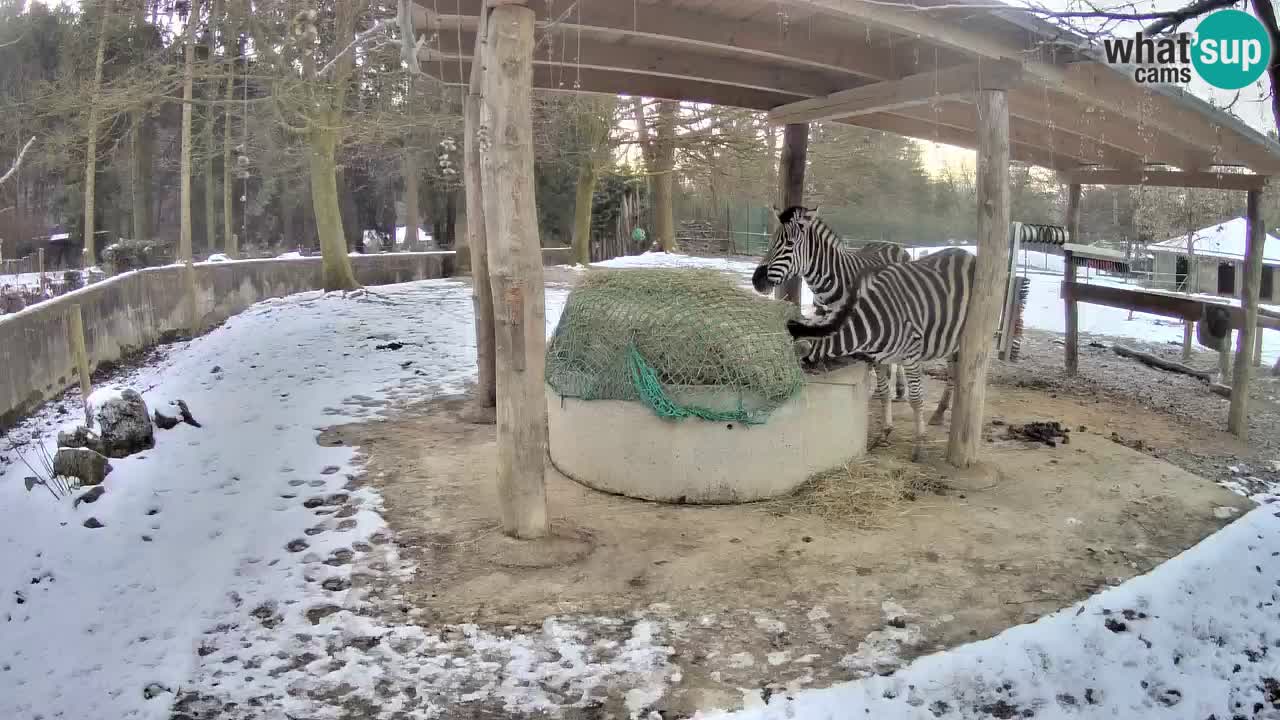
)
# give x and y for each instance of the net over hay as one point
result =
(666, 337)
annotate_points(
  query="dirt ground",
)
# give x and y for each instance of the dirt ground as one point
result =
(766, 599)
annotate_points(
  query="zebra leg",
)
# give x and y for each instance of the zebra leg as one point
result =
(900, 381)
(915, 395)
(884, 393)
(945, 401)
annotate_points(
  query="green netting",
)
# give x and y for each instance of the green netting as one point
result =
(686, 343)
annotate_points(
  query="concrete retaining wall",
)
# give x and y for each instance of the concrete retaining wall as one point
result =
(136, 310)
(626, 449)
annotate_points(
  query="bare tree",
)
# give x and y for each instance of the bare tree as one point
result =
(91, 138)
(594, 118)
(17, 162)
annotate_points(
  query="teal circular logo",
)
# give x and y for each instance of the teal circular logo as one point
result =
(1231, 49)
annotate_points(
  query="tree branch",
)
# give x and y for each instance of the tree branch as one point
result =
(17, 162)
(1177, 17)
(409, 43)
(1267, 14)
(379, 26)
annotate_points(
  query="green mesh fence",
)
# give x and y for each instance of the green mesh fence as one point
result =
(686, 343)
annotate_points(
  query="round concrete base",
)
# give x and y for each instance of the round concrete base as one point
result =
(624, 448)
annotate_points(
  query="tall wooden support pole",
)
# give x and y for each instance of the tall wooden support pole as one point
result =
(40, 265)
(990, 280)
(80, 353)
(1238, 417)
(515, 263)
(481, 293)
(1072, 347)
(791, 166)
(1257, 348)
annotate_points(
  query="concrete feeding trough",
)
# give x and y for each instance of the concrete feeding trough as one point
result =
(625, 448)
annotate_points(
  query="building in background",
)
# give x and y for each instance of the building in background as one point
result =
(1218, 267)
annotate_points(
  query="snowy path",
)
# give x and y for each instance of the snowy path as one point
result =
(200, 524)
(219, 544)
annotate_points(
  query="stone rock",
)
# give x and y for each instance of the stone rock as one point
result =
(93, 523)
(89, 466)
(81, 437)
(186, 414)
(164, 422)
(89, 497)
(125, 425)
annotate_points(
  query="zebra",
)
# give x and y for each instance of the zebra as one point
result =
(902, 313)
(805, 245)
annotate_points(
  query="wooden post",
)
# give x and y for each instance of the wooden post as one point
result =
(515, 262)
(1072, 346)
(193, 311)
(1238, 416)
(79, 353)
(1257, 349)
(791, 166)
(989, 282)
(481, 292)
(1224, 360)
(40, 264)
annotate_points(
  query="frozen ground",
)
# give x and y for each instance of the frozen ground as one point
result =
(229, 569)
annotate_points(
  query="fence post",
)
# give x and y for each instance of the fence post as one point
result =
(40, 263)
(80, 354)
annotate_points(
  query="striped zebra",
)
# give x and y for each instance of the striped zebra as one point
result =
(905, 313)
(805, 245)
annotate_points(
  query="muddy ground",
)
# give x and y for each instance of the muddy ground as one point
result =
(762, 601)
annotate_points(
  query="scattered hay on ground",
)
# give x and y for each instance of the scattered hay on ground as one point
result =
(869, 493)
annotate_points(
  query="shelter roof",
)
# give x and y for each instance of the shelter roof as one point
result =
(907, 68)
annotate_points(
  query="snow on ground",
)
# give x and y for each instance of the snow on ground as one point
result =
(1195, 638)
(214, 573)
(212, 549)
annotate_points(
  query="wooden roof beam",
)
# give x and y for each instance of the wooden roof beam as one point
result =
(1055, 140)
(1168, 178)
(960, 137)
(818, 49)
(1043, 106)
(1092, 83)
(919, 89)
(611, 82)
(1098, 85)
(748, 72)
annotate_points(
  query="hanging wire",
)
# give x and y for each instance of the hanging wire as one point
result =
(435, 40)
(462, 78)
(577, 82)
(936, 101)
(244, 144)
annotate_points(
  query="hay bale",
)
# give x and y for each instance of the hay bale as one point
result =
(646, 335)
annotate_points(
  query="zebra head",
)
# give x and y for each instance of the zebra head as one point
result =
(784, 258)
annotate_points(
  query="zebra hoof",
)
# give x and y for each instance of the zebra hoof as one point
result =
(936, 420)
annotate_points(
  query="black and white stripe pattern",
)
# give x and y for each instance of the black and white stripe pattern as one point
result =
(805, 245)
(905, 313)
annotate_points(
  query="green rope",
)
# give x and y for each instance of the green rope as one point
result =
(649, 388)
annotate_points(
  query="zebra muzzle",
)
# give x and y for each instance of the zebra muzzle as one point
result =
(760, 279)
